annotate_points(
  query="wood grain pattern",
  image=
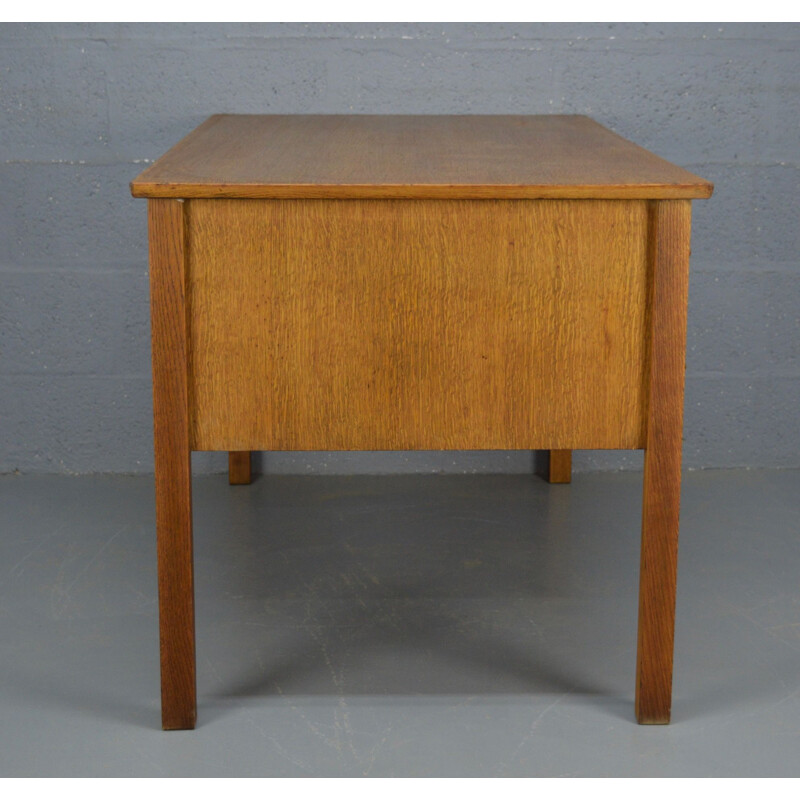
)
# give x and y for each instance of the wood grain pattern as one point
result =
(400, 325)
(670, 234)
(172, 463)
(239, 467)
(363, 156)
(560, 466)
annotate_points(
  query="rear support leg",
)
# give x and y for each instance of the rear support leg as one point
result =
(239, 467)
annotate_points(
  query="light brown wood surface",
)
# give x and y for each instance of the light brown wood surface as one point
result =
(399, 325)
(670, 235)
(172, 462)
(363, 156)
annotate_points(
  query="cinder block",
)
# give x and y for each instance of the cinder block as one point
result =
(751, 218)
(688, 101)
(431, 78)
(74, 322)
(53, 214)
(159, 92)
(71, 423)
(744, 323)
(53, 100)
(742, 422)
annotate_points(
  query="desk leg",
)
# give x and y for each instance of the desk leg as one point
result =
(172, 463)
(559, 469)
(669, 243)
(239, 467)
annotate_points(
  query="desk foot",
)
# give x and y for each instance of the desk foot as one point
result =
(559, 469)
(239, 473)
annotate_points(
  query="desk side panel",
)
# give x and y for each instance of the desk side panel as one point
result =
(417, 324)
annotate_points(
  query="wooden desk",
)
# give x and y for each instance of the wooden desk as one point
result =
(401, 283)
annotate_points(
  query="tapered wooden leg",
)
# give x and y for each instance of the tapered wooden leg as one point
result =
(172, 463)
(670, 230)
(560, 467)
(239, 467)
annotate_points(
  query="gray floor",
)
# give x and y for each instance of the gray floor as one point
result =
(399, 625)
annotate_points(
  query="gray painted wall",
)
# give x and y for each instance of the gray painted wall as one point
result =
(83, 107)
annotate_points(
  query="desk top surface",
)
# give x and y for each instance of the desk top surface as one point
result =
(365, 156)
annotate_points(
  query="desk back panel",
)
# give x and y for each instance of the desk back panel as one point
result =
(417, 324)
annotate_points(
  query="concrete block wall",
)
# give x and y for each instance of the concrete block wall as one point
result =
(84, 107)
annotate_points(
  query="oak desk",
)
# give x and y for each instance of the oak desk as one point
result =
(428, 283)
